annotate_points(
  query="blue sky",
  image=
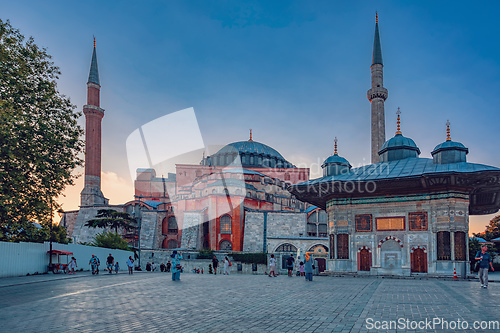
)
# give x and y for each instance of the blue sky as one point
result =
(296, 72)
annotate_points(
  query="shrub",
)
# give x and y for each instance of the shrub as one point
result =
(250, 258)
(205, 254)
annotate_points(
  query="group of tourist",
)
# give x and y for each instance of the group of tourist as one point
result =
(306, 267)
(94, 263)
(225, 262)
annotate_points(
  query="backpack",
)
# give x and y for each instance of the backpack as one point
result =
(289, 261)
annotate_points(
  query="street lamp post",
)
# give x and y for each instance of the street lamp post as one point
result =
(50, 235)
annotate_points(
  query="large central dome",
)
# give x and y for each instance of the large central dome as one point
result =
(251, 153)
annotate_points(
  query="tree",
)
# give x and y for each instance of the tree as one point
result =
(110, 240)
(493, 229)
(40, 139)
(112, 219)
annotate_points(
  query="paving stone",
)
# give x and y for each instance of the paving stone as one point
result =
(152, 302)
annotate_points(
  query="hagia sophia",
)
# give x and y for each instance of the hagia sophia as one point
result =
(401, 215)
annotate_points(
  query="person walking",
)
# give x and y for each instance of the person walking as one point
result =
(98, 263)
(289, 264)
(110, 262)
(169, 265)
(72, 265)
(117, 267)
(308, 266)
(130, 265)
(227, 263)
(215, 264)
(176, 265)
(93, 264)
(272, 266)
(485, 263)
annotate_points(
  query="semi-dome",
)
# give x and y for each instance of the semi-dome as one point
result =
(251, 154)
(397, 148)
(250, 147)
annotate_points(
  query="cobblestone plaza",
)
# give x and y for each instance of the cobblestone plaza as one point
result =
(152, 302)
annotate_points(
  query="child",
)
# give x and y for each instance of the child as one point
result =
(72, 265)
(302, 269)
(117, 268)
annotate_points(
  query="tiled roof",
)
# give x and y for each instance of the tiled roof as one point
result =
(404, 168)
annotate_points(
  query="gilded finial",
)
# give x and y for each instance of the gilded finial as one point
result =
(448, 138)
(399, 122)
(94, 41)
(335, 149)
(376, 17)
(250, 135)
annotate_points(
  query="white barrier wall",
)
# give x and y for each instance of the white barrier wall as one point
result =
(23, 258)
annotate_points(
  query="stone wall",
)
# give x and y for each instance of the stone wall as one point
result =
(150, 228)
(253, 240)
(286, 224)
(191, 230)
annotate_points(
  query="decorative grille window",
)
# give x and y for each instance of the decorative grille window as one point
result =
(460, 247)
(332, 246)
(286, 248)
(225, 245)
(342, 246)
(225, 224)
(443, 245)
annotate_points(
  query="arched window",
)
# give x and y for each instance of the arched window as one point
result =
(287, 176)
(318, 249)
(225, 224)
(172, 225)
(287, 247)
(225, 245)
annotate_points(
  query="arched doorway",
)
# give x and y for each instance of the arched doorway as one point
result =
(418, 260)
(364, 260)
(390, 254)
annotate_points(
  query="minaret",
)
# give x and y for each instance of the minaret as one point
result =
(377, 96)
(91, 194)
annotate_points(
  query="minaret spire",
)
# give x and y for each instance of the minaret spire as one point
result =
(91, 194)
(250, 135)
(335, 149)
(448, 137)
(398, 122)
(377, 96)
